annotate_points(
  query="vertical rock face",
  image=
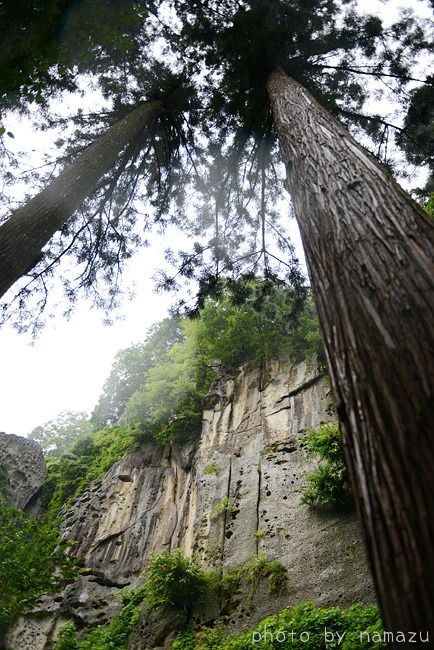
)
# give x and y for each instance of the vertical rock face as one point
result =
(26, 470)
(253, 430)
(249, 457)
(233, 492)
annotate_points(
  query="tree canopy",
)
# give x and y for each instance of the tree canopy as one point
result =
(45, 45)
(159, 385)
(209, 163)
(58, 435)
(129, 369)
(417, 136)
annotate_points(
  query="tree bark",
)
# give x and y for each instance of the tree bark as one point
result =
(370, 253)
(28, 230)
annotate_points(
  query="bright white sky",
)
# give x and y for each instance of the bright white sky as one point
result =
(68, 363)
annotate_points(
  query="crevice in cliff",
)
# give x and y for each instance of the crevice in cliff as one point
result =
(51, 631)
(307, 384)
(261, 383)
(260, 450)
(112, 536)
(284, 408)
(101, 579)
(258, 503)
(174, 499)
(226, 513)
(252, 415)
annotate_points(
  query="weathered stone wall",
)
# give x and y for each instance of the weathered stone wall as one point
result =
(26, 470)
(164, 498)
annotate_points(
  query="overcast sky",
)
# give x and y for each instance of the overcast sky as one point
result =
(68, 363)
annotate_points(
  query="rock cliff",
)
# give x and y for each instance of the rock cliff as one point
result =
(250, 463)
(25, 466)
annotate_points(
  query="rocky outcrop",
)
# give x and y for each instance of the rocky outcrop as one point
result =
(233, 492)
(25, 465)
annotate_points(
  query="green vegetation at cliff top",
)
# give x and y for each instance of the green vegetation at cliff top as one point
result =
(155, 389)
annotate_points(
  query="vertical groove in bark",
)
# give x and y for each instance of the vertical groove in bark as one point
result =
(26, 232)
(370, 253)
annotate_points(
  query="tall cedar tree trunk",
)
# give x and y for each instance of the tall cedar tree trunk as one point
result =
(370, 253)
(26, 232)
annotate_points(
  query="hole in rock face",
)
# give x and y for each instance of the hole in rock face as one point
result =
(229, 534)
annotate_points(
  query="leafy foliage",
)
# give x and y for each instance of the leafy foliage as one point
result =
(172, 370)
(5, 488)
(212, 469)
(112, 636)
(328, 486)
(67, 638)
(169, 402)
(256, 320)
(257, 569)
(173, 579)
(58, 436)
(129, 369)
(32, 561)
(222, 507)
(430, 206)
(307, 623)
(87, 460)
(44, 43)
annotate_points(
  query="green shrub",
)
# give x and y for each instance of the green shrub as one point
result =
(212, 469)
(211, 638)
(174, 579)
(88, 460)
(67, 638)
(328, 486)
(32, 561)
(114, 635)
(230, 582)
(261, 567)
(222, 506)
(258, 568)
(301, 627)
